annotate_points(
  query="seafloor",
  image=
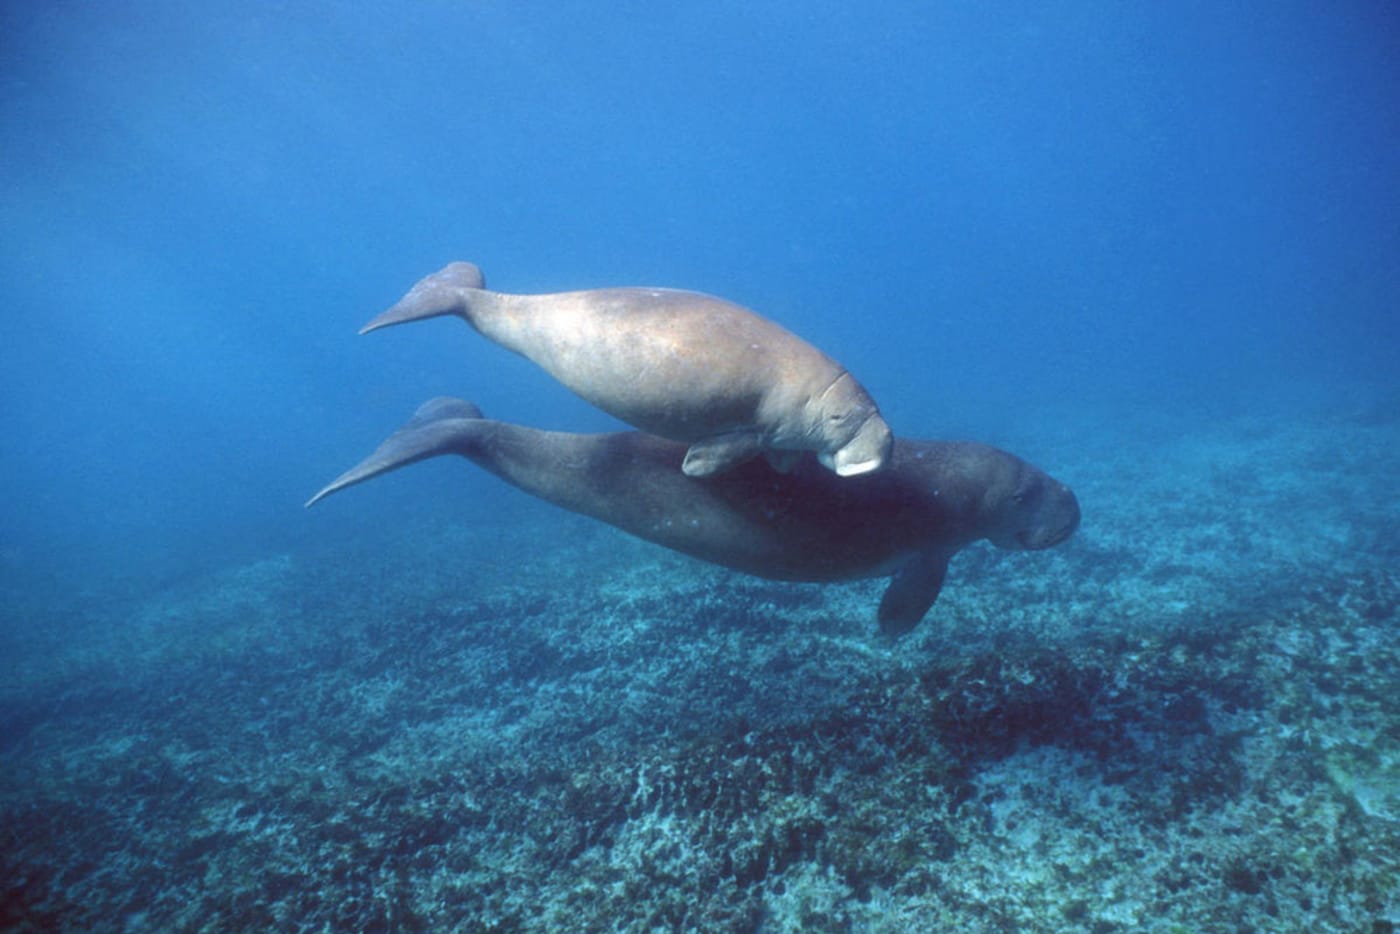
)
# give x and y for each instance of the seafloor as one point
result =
(1185, 719)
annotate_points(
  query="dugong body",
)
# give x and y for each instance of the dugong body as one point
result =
(906, 520)
(685, 366)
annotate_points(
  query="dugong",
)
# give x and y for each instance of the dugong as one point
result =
(682, 365)
(905, 521)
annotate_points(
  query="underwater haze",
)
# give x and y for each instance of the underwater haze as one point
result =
(1153, 248)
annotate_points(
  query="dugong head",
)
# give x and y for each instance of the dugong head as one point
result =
(1025, 508)
(849, 435)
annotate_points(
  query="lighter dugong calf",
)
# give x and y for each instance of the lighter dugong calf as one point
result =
(682, 365)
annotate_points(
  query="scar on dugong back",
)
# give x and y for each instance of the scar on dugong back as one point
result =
(685, 366)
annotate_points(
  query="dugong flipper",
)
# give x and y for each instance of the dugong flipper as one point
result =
(681, 365)
(908, 520)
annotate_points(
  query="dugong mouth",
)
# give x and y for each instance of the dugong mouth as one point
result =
(869, 449)
(1037, 541)
(844, 468)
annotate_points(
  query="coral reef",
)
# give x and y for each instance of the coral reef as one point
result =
(1186, 719)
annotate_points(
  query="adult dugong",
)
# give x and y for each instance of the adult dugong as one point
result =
(681, 365)
(908, 520)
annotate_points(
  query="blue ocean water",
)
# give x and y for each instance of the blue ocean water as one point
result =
(1154, 248)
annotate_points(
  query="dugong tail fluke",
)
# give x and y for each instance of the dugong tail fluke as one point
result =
(440, 426)
(438, 294)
